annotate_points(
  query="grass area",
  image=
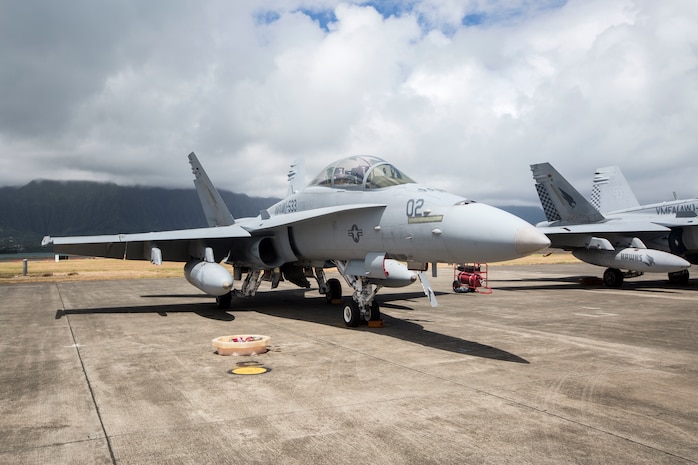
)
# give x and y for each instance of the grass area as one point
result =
(85, 269)
(550, 257)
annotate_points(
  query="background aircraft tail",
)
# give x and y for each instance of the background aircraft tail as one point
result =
(216, 211)
(561, 201)
(611, 191)
(296, 176)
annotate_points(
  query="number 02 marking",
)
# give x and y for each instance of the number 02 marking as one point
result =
(414, 207)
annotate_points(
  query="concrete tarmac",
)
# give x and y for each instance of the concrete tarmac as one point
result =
(545, 370)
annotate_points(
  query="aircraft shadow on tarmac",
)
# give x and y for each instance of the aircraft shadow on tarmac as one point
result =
(293, 304)
(201, 309)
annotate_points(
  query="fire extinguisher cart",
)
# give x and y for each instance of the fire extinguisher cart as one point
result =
(470, 277)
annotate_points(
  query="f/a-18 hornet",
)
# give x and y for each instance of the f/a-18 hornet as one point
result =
(615, 230)
(361, 215)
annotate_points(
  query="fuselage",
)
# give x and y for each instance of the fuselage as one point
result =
(662, 211)
(681, 216)
(408, 222)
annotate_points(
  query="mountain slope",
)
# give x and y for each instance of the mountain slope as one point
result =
(55, 208)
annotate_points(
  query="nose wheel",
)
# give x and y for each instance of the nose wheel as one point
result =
(362, 305)
(353, 314)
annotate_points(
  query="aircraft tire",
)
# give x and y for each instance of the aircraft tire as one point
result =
(351, 314)
(374, 312)
(679, 277)
(223, 301)
(334, 290)
(613, 277)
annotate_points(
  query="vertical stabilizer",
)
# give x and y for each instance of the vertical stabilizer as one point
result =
(216, 211)
(561, 201)
(611, 191)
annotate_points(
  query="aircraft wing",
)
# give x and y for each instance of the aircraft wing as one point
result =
(675, 222)
(181, 245)
(175, 245)
(611, 227)
(264, 224)
(601, 235)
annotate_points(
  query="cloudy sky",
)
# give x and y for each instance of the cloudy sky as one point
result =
(461, 95)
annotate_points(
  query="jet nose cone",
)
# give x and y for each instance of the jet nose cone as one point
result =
(528, 240)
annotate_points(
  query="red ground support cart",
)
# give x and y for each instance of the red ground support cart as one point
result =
(470, 277)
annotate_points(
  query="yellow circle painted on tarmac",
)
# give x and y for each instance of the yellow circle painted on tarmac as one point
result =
(249, 370)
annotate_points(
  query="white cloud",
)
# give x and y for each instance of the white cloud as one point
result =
(460, 95)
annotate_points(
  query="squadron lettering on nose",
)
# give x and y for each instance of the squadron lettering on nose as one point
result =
(355, 233)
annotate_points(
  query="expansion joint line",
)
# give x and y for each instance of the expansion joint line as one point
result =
(87, 378)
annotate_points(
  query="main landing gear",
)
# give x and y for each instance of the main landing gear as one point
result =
(361, 307)
(249, 285)
(224, 301)
(613, 277)
(679, 277)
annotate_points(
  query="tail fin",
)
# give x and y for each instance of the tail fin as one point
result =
(561, 201)
(296, 176)
(216, 211)
(611, 191)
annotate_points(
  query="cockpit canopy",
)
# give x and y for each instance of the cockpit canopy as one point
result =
(360, 172)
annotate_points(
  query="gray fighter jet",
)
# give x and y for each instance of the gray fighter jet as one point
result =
(361, 215)
(614, 230)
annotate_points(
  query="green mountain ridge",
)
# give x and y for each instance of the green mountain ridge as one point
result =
(70, 208)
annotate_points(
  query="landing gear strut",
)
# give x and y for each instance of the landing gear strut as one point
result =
(362, 305)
